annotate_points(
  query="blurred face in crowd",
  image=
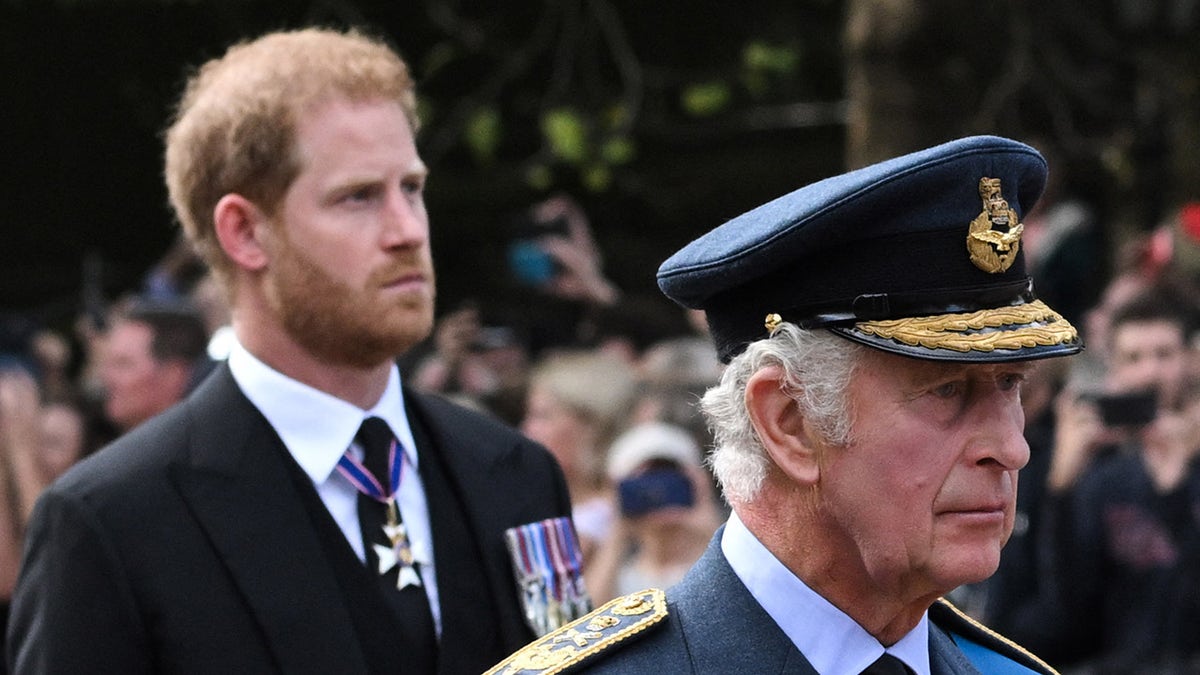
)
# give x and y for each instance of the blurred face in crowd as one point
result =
(351, 274)
(62, 434)
(923, 496)
(564, 432)
(137, 386)
(1149, 355)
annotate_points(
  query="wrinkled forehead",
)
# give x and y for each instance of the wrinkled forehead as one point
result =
(916, 372)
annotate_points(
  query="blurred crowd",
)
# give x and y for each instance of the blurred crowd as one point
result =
(1102, 574)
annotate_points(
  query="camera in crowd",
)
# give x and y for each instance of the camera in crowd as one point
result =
(528, 260)
(660, 487)
(1127, 409)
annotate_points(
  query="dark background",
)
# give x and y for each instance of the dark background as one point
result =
(720, 106)
(88, 86)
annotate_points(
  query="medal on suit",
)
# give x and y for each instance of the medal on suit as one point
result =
(548, 563)
(400, 553)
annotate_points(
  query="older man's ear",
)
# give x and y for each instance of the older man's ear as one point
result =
(781, 427)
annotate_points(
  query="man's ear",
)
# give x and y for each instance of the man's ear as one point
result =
(240, 226)
(781, 427)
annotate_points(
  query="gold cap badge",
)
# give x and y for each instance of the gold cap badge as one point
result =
(995, 235)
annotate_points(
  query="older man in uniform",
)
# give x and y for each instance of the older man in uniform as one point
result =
(877, 328)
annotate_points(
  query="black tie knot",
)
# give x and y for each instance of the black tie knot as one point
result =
(375, 437)
(887, 665)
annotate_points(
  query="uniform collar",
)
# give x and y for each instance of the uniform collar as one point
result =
(831, 641)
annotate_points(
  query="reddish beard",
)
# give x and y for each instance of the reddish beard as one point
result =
(362, 327)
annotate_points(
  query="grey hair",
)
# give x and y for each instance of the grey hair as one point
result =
(817, 367)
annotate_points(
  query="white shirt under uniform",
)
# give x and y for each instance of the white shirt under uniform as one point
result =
(831, 641)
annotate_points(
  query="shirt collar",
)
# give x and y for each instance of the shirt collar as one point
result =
(315, 426)
(829, 639)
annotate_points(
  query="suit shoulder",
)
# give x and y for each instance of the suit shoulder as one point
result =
(984, 643)
(136, 457)
(590, 640)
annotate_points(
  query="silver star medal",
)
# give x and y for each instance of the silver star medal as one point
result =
(399, 553)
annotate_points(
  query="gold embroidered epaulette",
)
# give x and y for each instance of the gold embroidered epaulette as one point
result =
(609, 625)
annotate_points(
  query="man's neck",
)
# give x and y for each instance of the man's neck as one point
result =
(884, 608)
(362, 387)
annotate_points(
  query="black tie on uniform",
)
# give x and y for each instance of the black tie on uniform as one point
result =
(418, 640)
(887, 665)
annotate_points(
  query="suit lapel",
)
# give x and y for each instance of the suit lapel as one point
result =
(477, 474)
(237, 485)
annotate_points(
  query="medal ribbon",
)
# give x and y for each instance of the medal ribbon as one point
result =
(365, 482)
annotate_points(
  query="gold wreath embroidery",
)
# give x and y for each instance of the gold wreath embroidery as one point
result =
(994, 237)
(1040, 326)
(602, 622)
(633, 606)
(541, 657)
(568, 645)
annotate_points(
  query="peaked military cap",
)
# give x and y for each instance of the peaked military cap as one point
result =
(918, 255)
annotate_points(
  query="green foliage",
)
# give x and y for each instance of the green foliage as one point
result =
(778, 60)
(597, 177)
(618, 150)
(706, 98)
(437, 58)
(764, 64)
(539, 177)
(589, 145)
(565, 133)
(483, 133)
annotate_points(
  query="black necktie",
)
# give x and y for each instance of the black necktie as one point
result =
(418, 639)
(887, 665)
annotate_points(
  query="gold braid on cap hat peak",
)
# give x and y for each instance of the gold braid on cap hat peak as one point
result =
(1032, 325)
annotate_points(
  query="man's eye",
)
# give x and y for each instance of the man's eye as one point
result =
(1011, 381)
(948, 390)
(413, 186)
(359, 194)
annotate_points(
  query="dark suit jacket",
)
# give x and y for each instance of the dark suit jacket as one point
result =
(715, 626)
(185, 547)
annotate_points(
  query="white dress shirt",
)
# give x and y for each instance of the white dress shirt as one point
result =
(317, 428)
(831, 641)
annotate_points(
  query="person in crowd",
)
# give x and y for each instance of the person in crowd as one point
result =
(672, 376)
(877, 327)
(53, 354)
(19, 484)
(39, 440)
(485, 366)
(301, 511)
(577, 403)
(667, 511)
(556, 277)
(1123, 534)
(153, 354)
(209, 298)
(63, 438)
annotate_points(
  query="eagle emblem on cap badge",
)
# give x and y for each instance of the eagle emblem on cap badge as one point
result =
(995, 235)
